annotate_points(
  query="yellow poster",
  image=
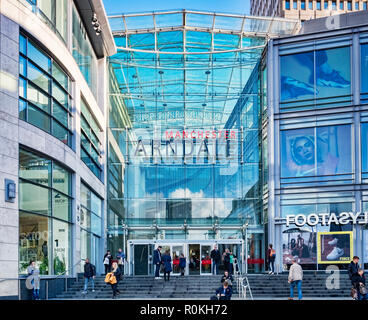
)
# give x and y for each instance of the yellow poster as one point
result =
(334, 247)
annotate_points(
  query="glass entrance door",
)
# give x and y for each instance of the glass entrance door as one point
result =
(206, 259)
(194, 259)
(141, 259)
(176, 251)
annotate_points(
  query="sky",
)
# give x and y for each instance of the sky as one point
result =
(134, 6)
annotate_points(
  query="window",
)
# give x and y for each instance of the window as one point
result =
(341, 5)
(90, 141)
(317, 151)
(310, 4)
(350, 6)
(364, 68)
(326, 4)
(55, 14)
(83, 52)
(287, 4)
(319, 5)
(334, 7)
(44, 92)
(295, 4)
(356, 5)
(45, 214)
(365, 5)
(90, 222)
(316, 74)
(302, 5)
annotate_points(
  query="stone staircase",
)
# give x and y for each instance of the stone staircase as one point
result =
(263, 286)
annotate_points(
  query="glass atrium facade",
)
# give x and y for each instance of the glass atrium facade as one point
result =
(185, 128)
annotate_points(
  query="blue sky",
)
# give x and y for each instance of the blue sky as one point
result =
(129, 6)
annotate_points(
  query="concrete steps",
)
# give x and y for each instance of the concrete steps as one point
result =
(202, 287)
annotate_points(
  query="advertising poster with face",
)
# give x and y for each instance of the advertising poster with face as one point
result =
(317, 151)
(335, 247)
(299, 243)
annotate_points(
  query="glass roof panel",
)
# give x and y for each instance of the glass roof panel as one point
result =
(163, 84)
(199, 20)
(116, 24)
(228, 23)
(139, 22)
(169, 20)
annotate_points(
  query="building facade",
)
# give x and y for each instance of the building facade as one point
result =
(316, 134)
(305, 9)
(53, 114)
(181, 128)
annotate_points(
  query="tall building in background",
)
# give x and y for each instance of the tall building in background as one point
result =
(305, 9)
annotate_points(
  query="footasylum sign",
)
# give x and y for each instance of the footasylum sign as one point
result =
(326, 219)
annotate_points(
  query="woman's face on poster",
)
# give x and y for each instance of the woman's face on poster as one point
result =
(304, 150)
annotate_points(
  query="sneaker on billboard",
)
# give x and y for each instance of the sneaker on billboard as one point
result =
(335, 254)
(333, 79)
(293, 88)
(332, 242)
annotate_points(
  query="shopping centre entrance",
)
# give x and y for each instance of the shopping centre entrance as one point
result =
(197, 254)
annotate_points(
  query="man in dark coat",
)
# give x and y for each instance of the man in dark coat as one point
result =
(157, 260)
(224, 292)
(89, 274)
(216, 259)
(353, 268)
(358, 281)
(229, 278)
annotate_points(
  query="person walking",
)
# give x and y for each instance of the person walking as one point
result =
(271, 256)
(229, 278)
(226, 258)
(120, 256)
(182, 264)
(224, 292)
(295, 279)
(231, 266)
(107, 261)
(166, 260)
(89, 275)
(358, 281)
(353, 268)
(34, 276)
(157, 261)
(115, 279)
(216, 259)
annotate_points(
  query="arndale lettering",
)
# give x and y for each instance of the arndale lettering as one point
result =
(326, 219)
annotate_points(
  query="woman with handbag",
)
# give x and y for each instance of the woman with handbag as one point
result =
(113, 279)
(359, 284)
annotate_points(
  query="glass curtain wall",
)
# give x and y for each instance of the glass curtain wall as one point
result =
(44, 214)
(91, 225)
(83, 52)
(44, 91)
(90, 141)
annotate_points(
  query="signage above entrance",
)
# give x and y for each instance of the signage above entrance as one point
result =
(326, 219)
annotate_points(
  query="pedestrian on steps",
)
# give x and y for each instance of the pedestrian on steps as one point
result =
(271, 256)
(107, 261)
(166, 260)
(295, 279)
(89, 275)
(182, 264)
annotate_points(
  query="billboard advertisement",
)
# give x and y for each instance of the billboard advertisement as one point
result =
(334, 247)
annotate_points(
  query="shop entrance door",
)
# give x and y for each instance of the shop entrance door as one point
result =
(194, 258)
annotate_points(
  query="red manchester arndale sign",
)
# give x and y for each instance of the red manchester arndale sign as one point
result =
(201, 134)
